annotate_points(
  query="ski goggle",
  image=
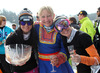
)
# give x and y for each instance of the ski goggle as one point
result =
(61, 24)
(26, 22)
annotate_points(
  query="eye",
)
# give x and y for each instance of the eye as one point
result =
(49, 16)
(43, 16)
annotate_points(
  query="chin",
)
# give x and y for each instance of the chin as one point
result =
(25, 32)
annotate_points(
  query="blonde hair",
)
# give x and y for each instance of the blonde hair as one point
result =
(2, 18)
(48, 8)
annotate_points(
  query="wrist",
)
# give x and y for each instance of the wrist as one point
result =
(3, 41)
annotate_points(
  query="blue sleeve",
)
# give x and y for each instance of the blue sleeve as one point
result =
(11, 30)
(63, 49)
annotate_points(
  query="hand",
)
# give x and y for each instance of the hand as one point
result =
(8, 59)
(10, 34)
(54, 60)
(21, 64)
(0, 43)
(76, 58)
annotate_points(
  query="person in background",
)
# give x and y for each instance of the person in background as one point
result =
(73, 23)
(84, 52)
(37, 19)
(86, 24)
(50, 46)
(97, 21)
(25, 34)
(79, 24)
(97, 27)
(4, 31)
(14, 26)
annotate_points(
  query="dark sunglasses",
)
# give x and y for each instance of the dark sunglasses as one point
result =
(4, 20)
(98, 11)
(28, 22)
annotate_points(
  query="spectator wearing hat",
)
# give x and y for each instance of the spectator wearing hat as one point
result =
(85, 53)
(73, 23)
(25, 34)
(37, 19)
(14, 26)
(86, 24)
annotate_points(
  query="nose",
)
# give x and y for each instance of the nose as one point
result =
(26, 24)
(46, 18)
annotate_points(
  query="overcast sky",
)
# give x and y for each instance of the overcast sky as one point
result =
(60, 7)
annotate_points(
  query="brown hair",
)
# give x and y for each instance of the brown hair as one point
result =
(73, 19)
(99, 9)
(2, 18)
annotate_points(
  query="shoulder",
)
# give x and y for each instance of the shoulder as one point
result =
(36, 25)
(83, 34)
(36, 22)
(9, 29)
(58, 36)
(84, 38)
(10, 38)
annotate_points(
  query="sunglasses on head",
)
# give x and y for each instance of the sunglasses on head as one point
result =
(26, 22)
(61, 24)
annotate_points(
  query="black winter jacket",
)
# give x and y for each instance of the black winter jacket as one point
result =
(17, 38)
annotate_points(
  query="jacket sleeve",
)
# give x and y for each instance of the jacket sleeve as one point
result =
(62, 57)
(91, 50)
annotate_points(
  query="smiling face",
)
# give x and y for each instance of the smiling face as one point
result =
(46, 18)
(26, 28)
(66, 32)
(46, 15)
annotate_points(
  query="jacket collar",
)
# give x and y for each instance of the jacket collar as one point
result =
(82, 20)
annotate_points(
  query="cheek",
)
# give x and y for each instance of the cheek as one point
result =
(4, 22)
(22, 27)
(62, 32)
(50, 18)
(51, 21)
(42, 20)
(30, 27)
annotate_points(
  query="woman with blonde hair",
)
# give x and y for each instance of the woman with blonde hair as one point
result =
(50, 46)
(4, 31)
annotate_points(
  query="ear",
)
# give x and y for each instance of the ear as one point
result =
(53, 16)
